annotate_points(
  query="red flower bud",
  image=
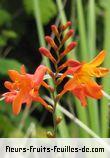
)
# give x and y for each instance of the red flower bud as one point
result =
(51, 42)
(55, 30)
(58, 119)
(70, 63)
(64, 27)
(47, 53)
(68, 49)
(67, 36)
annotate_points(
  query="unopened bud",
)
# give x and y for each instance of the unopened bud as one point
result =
(49, 108)
(51, 42)
(47, 53)
(50, 134)
(67, 36)
(55, 31)
(73, 63)
(70, 63)
(68, 49)
(58, 119)
(64, 27)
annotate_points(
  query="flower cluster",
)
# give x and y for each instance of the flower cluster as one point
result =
(25, 87)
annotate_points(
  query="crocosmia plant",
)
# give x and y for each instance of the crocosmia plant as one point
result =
(25, 87)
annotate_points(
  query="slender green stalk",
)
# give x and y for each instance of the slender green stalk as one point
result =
(39, 27)
(106, 80)
(46, 61)
(25, 114)
(82, 113)
(82, 30)
(83, 51)
(91, 28)
(92, 104)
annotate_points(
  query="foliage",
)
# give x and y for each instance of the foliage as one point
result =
(47, 9)
(6, 64)
(5, 17)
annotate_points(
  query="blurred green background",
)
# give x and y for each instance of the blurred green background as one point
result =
(23, 25)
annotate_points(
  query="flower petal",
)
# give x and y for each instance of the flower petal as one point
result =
(14, 75)
(93, 90)
(79, 93)
(71, 84)
(70, 71)
(99, 72)
(23, 70)
(9, 96)
(8, 85)
(40, 100)
(17, 103)
(98, 59)
(39, 75)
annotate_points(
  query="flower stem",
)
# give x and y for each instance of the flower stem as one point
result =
(54, 119)
(54, 107)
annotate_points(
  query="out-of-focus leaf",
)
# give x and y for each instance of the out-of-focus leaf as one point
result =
(7, 64)
(5, 17)
(16, 134)
(3, 41)
(5, 36)
(6, 126)
(9, 34)
(47, 7)
(103, 3)
(48, 10)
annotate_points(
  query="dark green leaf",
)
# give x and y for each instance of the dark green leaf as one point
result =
(9, 34)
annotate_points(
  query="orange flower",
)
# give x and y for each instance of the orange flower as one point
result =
(24, 88)
(82, 85)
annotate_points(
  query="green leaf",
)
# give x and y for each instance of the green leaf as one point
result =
(5, 17)
(6, 126)
(104, 4)
(48, 9)
(3, 41)
(9, 34)
(7, 64)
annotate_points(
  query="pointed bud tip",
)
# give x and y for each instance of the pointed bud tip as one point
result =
(69, 23)
(49, 108)
(72, 45)
(44, 51)
(58, 119)
(50, 134)
(53, 27)
(70, 32)
(64, 27)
